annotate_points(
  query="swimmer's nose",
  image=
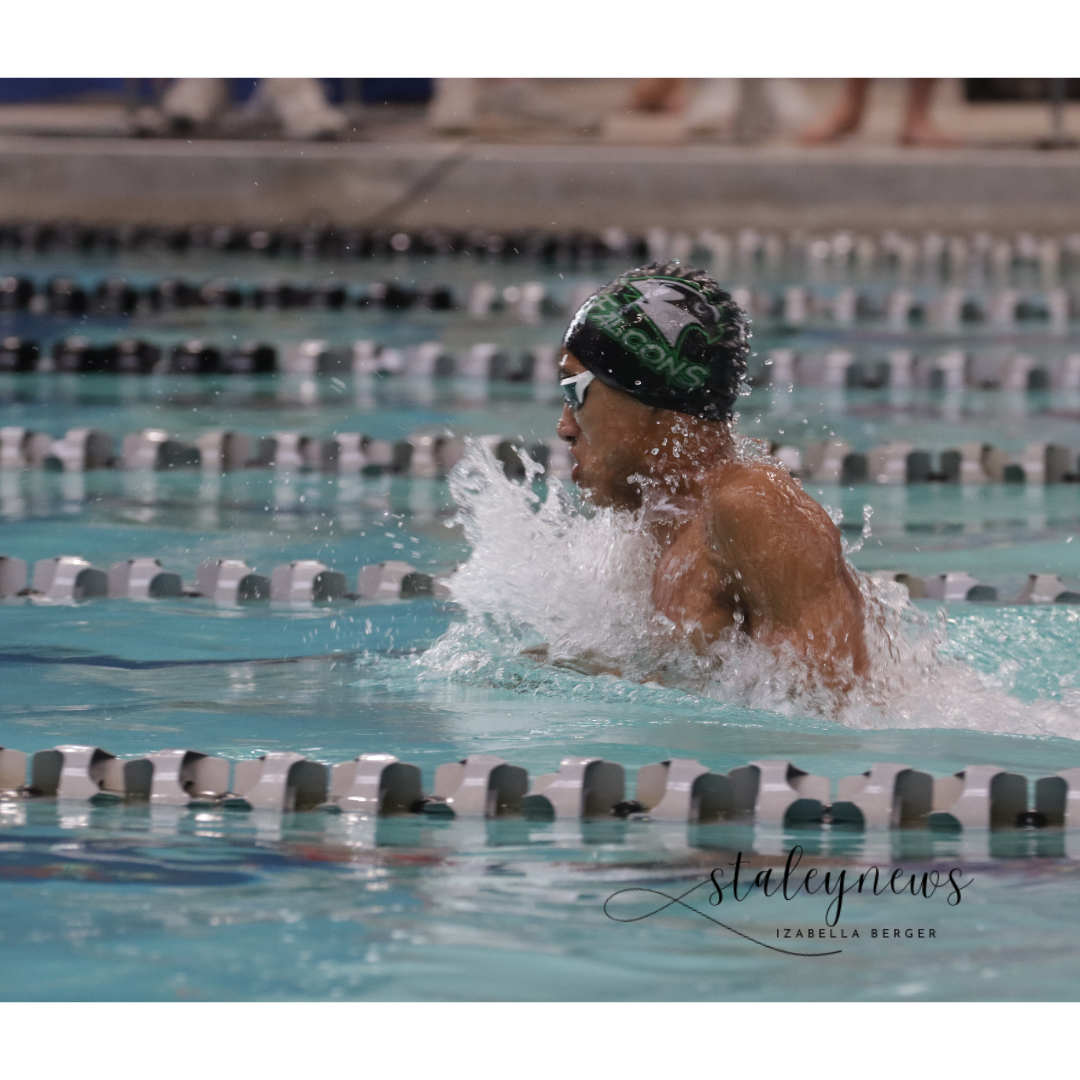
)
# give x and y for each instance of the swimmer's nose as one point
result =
(568, 426)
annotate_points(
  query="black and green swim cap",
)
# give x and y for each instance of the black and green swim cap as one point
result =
(669, 337)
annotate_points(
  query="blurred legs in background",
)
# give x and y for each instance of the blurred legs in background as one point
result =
(743, 111)
(917, 130)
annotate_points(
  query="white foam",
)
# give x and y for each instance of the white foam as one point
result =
(547, 571)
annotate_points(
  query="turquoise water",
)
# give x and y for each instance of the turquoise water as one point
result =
(161, 904)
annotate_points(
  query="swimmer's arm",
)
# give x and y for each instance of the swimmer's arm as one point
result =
(588, 663)
(794, 585)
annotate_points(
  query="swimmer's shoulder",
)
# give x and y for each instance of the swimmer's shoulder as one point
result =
(754, 485)
(758, 499)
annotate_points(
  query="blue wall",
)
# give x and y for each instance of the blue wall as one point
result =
(21, 90)
(372, 91)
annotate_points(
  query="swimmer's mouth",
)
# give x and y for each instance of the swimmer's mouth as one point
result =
(575, 469)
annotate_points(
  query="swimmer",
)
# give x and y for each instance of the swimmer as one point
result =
(651, 367)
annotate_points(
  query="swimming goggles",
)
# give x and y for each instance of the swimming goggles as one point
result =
(574, 388)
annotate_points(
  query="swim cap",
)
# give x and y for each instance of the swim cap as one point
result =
(669, 337)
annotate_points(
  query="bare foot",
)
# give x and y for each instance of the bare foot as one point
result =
(844, 119)
(842, 122)
(925, 133)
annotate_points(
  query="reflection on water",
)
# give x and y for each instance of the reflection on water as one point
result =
(221, 905)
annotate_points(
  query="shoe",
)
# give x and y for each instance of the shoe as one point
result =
(302, 108)
(192, 105)
(146, 122)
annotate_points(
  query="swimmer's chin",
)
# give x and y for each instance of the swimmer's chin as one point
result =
(595, 496)
(589, 491)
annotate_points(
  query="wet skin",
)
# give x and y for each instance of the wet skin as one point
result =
(741, 543)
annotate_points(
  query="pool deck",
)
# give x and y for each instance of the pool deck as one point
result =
(459, 183)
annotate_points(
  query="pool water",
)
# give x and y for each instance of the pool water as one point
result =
(105, 902)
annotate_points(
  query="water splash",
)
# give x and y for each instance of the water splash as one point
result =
(554, 591)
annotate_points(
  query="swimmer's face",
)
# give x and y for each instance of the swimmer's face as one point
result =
(608, 436)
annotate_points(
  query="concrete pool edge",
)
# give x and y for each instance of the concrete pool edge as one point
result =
(498, 185)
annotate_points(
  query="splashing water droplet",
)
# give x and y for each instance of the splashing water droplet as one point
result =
(548, 572)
